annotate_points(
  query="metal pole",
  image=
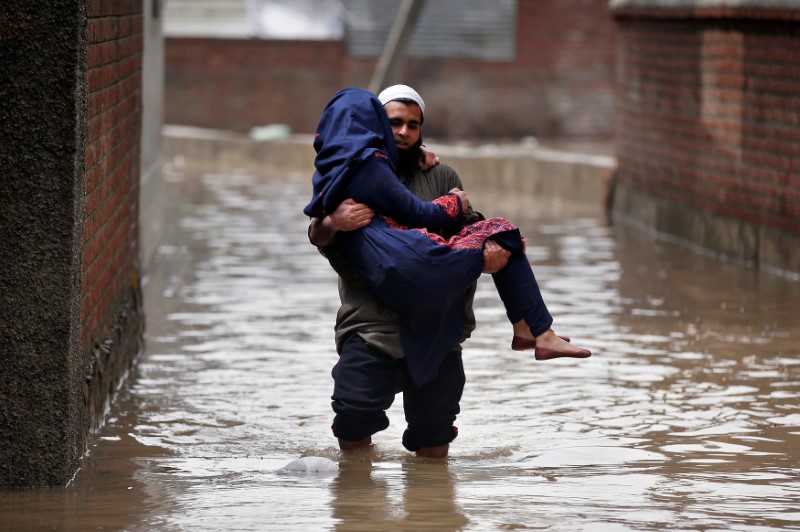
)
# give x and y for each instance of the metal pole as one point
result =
(394, 52)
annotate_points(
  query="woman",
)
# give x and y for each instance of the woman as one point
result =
(420, 275)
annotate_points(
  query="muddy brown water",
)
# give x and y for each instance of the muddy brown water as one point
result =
(687, 417)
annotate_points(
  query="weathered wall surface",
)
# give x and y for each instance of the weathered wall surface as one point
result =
(41, 208)
(70, 310)
(560, 82)
(708, 126)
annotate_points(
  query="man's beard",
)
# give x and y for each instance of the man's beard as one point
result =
(409, 159)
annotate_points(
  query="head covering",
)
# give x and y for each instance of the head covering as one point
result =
(401, 92)
(353, 127)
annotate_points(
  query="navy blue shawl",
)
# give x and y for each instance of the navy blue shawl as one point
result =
(356, 157)
(353, 127)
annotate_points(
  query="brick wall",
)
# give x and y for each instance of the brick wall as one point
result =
(112, 320)
(709, 118)
(559, 84)
(112, 161)
(68, 256)
(242, 83)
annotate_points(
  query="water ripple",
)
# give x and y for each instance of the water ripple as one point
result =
(686, 417)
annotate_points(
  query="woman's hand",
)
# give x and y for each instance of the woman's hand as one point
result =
(427, 159)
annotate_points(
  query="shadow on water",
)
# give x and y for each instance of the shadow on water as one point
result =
(687, 416)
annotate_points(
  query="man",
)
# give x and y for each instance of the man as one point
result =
(371, 367)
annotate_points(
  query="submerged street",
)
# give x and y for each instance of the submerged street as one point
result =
(686, 417)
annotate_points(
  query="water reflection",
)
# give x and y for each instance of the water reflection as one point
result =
(687, 417)
(415, 494)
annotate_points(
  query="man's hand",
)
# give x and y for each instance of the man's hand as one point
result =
(464, 199)
(348, 216)
(495, 257)
(427, 159)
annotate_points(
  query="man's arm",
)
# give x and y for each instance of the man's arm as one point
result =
(320, 232)
(348, 216)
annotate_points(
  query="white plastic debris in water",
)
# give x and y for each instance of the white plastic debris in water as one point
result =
(311, 464)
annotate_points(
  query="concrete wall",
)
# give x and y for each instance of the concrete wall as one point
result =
(70, 308)
(559, 84)
(708, 125)
(564, 174)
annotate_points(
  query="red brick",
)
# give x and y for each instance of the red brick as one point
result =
(112, 157)
(709, 117)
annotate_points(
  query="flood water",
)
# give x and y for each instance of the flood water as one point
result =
(687, 417)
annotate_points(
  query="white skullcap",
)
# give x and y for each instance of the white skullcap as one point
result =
(401, 92)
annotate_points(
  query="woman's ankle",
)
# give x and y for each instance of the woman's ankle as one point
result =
(547, 336)
(522, 330)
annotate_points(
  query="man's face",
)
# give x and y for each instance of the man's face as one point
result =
(406, 121)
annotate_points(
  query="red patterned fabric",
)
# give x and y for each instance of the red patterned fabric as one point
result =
(471, 237)
(450, 204)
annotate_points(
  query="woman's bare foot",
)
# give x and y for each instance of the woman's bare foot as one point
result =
(550, 345)
(523, 338)
(550, 340)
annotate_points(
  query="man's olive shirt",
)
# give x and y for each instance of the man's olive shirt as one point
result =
(363, 313)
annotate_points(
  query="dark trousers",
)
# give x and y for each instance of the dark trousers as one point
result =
(366, 381)
(521, 296)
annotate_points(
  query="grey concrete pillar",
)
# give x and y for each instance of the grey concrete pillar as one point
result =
(42, 152)
(151, 199)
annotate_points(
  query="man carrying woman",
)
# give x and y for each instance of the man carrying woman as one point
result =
(424, 278)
